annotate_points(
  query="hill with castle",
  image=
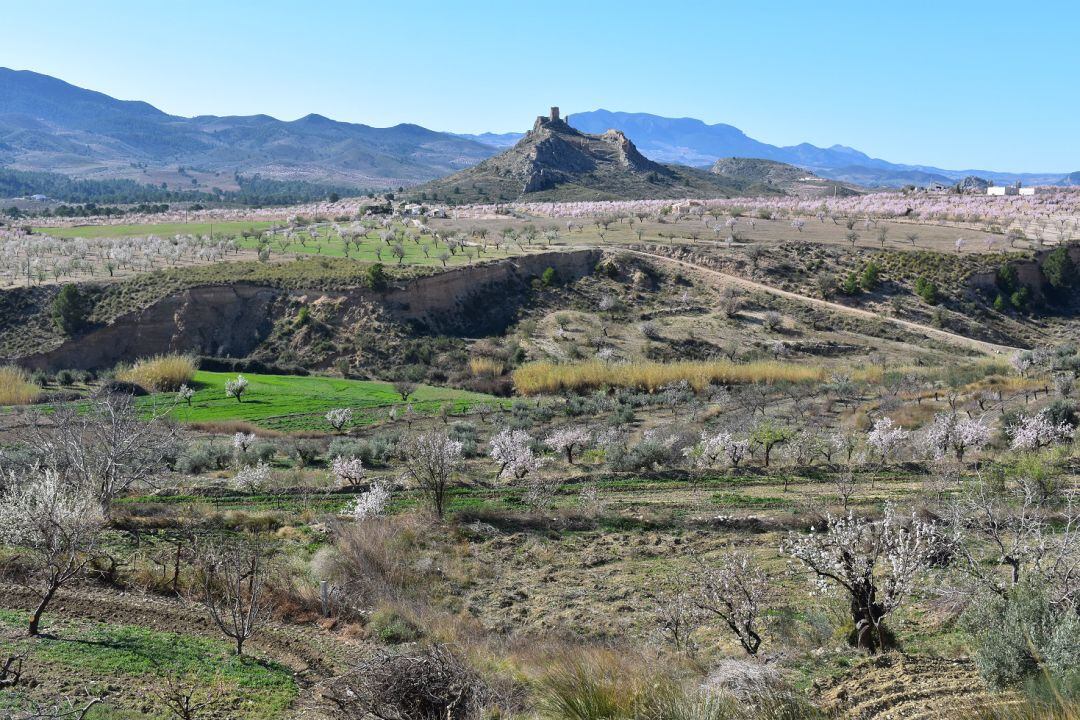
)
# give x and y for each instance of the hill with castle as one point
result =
(555, 162)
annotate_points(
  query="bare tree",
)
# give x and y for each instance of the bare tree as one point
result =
(404, 388)
(234, 587)
(57, 524)
(106, 447)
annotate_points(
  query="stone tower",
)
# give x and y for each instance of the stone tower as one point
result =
(554, 113)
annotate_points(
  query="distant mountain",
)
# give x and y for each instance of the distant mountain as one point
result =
(495, 140)
(48, 124)
(555, 162)
(782, 177)
(693, 142)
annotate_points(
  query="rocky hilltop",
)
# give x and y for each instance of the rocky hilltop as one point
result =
(554, 161)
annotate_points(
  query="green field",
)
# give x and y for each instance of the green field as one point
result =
(285, 402)
(132, 657)
(162, 230)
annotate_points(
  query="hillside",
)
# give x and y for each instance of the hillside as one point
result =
(47, 124)
(558, 163)
(786, 178)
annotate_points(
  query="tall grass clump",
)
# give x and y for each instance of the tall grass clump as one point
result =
(162, 373)
(485, 367)
(16, 388)
(549, 378)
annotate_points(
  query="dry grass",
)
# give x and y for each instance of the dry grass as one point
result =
(16, 388)
(485, 367)
(549, 378)
(163, 373)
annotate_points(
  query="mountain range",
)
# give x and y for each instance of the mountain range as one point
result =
(689, 141)
(49, 125)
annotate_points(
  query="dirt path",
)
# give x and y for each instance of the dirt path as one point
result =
(910, 687)
(313, 656)
(978, 345)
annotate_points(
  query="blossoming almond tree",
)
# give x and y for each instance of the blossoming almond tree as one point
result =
(431, 459)
(567, 440)
(348, 472)
(512, 450)
(57, 524)
(339, 418)
(874, 563)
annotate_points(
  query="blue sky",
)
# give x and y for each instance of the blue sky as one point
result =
(957, 84)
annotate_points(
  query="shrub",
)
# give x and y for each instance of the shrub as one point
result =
(851, 284)
(163, 373)
(204, 455)
(305, 452)
(373, 452)
(549, 277)
(870, 276)
(926, 290)
(375, 277)
(393, 628)
(1024, 635)
(16, 387)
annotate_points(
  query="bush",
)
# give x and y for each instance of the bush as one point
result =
(16, 387)
(305, 452)
(549, 277)
(202, 456)
(870, 276)
(926, 290)
(163, 373)
(374, 452)
(375, 277)
(393, 628)
(1059, 269)
(1023, 636)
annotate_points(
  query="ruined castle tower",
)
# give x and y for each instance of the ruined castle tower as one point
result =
(554, 113)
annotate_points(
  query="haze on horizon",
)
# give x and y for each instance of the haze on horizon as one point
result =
(968, 85)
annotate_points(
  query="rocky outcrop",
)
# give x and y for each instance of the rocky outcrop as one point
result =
(233, 320)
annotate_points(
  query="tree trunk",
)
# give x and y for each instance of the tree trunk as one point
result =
(35, 619)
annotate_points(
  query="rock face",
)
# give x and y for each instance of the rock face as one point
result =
(553, 161)
(973, 184)
(233, 320)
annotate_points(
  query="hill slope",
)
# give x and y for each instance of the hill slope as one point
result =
(555, 162)
(781, 176)
(48, 124)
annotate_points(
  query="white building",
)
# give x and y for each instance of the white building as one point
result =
(1004, 190)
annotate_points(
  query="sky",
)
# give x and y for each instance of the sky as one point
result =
(989, 85)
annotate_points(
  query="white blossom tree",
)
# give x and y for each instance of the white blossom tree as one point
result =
(371, 503)
(339, 418)
(236, 388)
(512, 450)
(735, 591)
(431, 459)
(874, 563)
(887, 439)
(949, 431)
(348, 472)
(1037, 431)
(568, 440)
(57, 525)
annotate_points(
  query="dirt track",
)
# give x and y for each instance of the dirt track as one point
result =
(979, 345)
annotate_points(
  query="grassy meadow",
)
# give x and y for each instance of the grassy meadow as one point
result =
(284, 402)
